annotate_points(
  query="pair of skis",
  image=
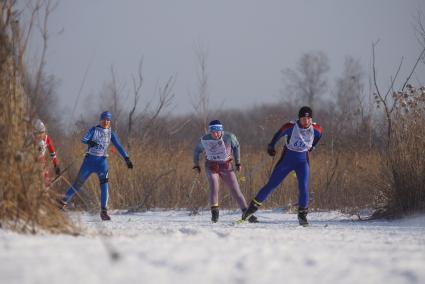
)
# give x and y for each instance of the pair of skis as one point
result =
(242, 221)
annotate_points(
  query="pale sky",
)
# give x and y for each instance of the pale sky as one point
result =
(248, 42)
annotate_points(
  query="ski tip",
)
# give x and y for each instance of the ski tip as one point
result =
(239, 222)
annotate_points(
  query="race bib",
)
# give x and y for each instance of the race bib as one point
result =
(215, 150)
(301, 139)
(41, 147)
(102, 136)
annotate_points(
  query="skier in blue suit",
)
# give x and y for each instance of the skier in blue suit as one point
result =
(98, 139)
(302, 136)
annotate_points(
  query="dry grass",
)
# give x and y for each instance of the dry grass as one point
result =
(163, 178)
(25, 205)
(405, 168)
(404, 164)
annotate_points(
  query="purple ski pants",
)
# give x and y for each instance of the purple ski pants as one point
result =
(214, 171)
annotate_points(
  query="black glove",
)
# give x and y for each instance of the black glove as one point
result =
(238, 167)
(271, 150)
(57, 170)
(91, 143)
(197, 168)
(129, 163)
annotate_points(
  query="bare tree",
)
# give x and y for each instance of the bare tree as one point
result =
(113, 98)
(48, 8)
(201, 101)
(308, 82)
(165, 98)
(21, 35)
(39, 87)
(350, 88)
(351, 103)
(420, 30)
(137, 86)
(384, 99)
(25, 204)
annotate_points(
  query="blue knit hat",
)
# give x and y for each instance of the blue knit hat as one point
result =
(215, 125)
(106, 115)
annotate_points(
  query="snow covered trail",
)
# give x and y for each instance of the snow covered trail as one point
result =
(173, 247)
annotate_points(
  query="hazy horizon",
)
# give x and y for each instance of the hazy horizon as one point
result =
(248, 44)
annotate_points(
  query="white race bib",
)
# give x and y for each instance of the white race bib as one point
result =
(102, 136)
(301, 139)
(215, 150)
(42, 147)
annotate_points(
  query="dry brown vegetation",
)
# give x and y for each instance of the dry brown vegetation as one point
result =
(366, 159)
(355, 166)
(404, 166)
(352, 168)
(25, 205)
(163, 177)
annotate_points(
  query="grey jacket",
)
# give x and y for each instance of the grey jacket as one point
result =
(230, 141)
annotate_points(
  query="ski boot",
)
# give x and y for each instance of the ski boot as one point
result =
(63, 205)
(302, 216)
(252, 218)
(248, 214)
(214, 214)
(104, 215)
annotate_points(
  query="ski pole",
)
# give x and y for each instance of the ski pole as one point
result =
(195, 182)
(194, 210)
(61, 173)
(78, 193)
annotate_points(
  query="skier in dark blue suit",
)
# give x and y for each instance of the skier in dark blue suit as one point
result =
(301, 138)
(98, 139)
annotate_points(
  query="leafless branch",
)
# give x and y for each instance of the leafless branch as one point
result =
(80, 90)
(49, 6)
(6, 10)
(379, 97)
(375, 82)
(391, 88)
(165, 98)
(420, 29)
(178, 128)
(34, 12)
(413, 69)
(137, 86)
(115, 96)
(201, 99)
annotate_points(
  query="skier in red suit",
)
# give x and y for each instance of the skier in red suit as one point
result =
(44, 144)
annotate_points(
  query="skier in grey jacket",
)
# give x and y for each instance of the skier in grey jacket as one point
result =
(219, 147)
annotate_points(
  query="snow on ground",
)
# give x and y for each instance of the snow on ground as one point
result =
(173, 247)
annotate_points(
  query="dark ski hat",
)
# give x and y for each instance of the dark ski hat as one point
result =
(215, 125)
(106, 115)
(305, 111)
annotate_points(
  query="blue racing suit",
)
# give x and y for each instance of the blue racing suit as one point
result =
(96, 161)
(299, 141)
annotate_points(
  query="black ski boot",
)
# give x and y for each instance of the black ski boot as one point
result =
(214, 214)
(252, 218)
(249, 212)
(63, 205)
(104, 215)
(302, 216)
